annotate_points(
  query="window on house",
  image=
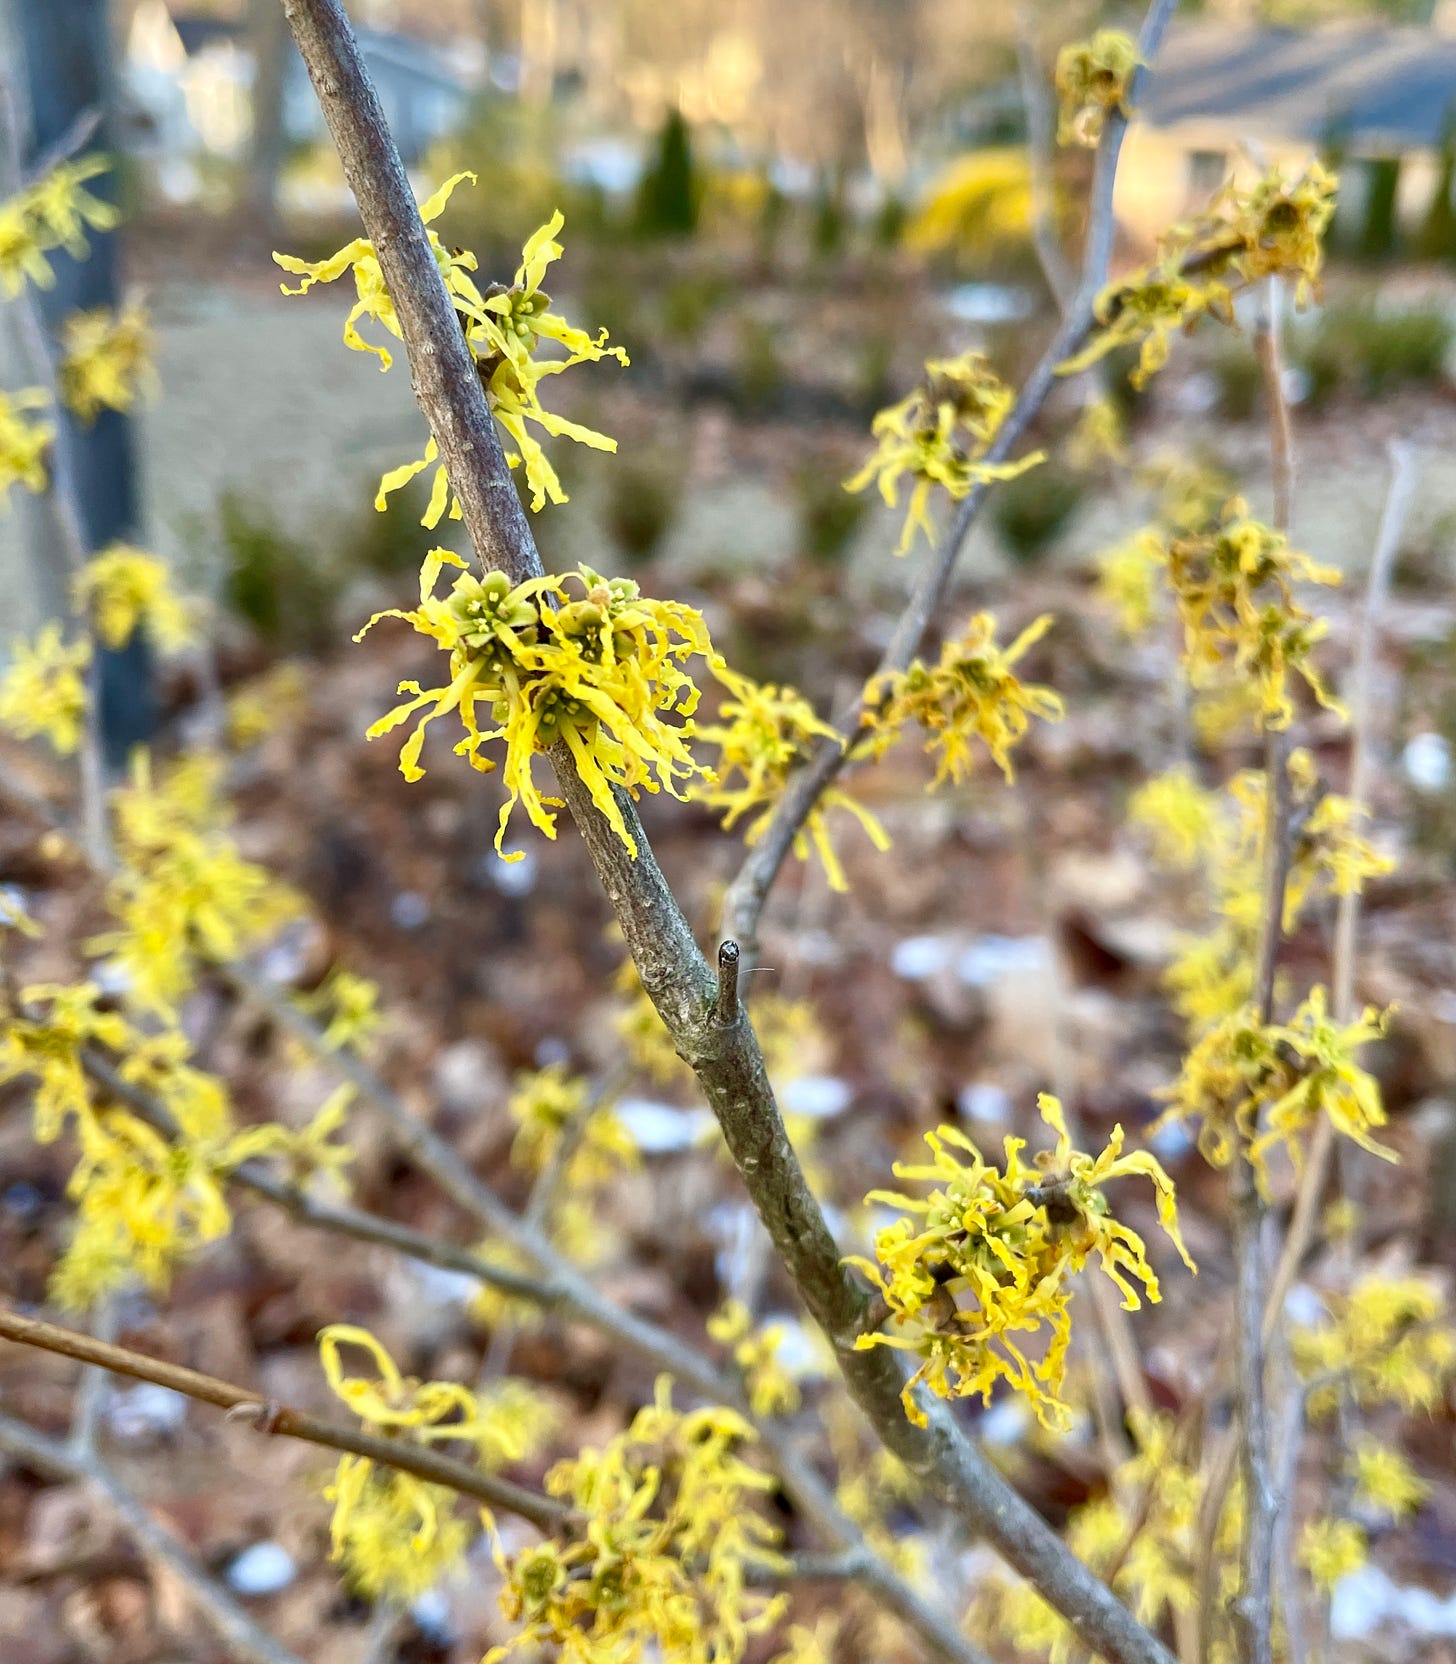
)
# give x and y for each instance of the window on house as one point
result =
(1207, 170)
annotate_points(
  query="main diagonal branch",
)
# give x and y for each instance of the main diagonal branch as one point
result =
(725, 1057)
(749, 891)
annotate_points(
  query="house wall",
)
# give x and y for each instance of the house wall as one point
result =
(1165, 173)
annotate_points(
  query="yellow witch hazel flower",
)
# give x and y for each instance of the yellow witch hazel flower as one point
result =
(766, 733)
(1184, 820)
(772, 1390)
(546, 1105)
(1273, 227)
(395, 1535)
(972, 694)
(663, 1565)
(359, 258)
(512, 324)
(143, 1201)
(43, 691)
(504, 324)
(1234, 588)
(1385, 1483)
(1094, 80)
(1211, 980)
(1330, 1549)
(106, 360)
(24, 441)
(1129, 582)
(598, 675)
(939, 436)
(124, 588)
(1387, 1340)
(183, 893)
(53, 213)
(348, 1006)
(989, 1255)
(1288, 1075)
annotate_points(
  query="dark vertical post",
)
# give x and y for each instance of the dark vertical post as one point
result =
(68, 54)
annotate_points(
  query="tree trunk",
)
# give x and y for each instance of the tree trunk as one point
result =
(65, 49)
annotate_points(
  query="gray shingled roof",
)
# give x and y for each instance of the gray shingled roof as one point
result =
(1382, 89)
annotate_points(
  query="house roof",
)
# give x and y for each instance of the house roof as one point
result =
(195, 33)
(1382, 90)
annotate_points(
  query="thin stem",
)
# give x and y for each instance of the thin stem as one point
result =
(1041, 127)
(1290, 1437)
(544, 1512)
(539, 1204)
(1254, 1605)
(746, 896)
(1387, 543)
(234, 1627)
(1347, 915)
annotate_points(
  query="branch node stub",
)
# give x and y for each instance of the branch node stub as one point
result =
(727, 1009)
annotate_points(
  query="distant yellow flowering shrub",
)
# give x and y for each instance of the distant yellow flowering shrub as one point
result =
(24, 441)
(971, 694)
(939, 435)
(55, 212)
(1009, 1240)
(43, 690)
(1094, 80)
(182, 894)
(123, 588)
(599, 674)
(764, 735)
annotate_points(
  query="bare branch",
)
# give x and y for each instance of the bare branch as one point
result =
(682, 987)
(234, 1626)
(1387, 542)
(1347, 915)
(544, 1512)
(747, 894)
(1041, 127)
(1254, 1606)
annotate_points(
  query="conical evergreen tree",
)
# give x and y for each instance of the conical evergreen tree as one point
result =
(669, 195)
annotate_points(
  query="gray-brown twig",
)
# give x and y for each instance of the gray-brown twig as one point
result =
(544, 1512)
